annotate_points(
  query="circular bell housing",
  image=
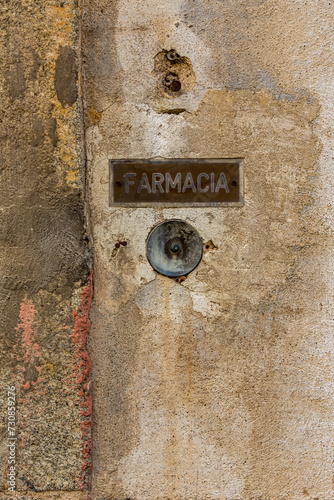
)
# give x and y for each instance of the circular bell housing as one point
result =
(174, 248)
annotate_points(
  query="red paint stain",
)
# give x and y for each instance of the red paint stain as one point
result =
(28, 362)
(27, 354)
(81, 377)
(27, 315)
(29, 351)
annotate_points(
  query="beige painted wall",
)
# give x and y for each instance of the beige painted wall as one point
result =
(220, 387)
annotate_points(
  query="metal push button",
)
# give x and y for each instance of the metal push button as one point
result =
(174, 248)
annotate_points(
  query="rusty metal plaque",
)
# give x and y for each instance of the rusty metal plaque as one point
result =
(176, 183)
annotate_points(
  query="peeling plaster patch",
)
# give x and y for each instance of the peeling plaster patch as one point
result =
(157, 133)
(203, 304)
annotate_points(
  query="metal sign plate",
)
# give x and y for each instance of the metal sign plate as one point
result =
(176, 183)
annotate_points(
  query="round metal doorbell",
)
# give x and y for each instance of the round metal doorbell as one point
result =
(174, 248)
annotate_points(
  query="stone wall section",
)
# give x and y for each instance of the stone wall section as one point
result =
(45, 265)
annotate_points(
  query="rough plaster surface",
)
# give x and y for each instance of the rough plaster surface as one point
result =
(44, 259)
(216, 388)
(220, 387)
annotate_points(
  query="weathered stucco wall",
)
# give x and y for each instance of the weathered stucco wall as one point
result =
(220, 387)
(44, 258)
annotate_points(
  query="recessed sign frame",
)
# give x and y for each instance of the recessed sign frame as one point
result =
(176, 183)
